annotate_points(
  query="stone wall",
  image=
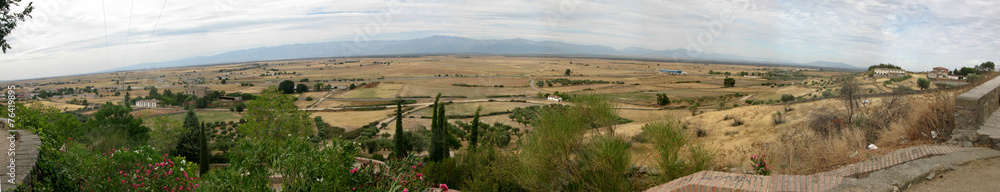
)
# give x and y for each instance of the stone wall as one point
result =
(972, 108)
(25, 156)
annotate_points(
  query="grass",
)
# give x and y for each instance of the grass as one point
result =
(208, 116)
(470, 108)
(350, 120)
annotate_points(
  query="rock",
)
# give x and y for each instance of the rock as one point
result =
(967, 144)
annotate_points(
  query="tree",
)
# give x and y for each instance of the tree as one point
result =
(10, 19)
(662, 99)
(693, 108)
(287, 86)
(568, 72)
(787, 98)
(729, 82)
(223, 82)
(153, 92)
(441, 141)
(189, 145)
(402, 147)
(923, 83)
(986, 66)
(203, 151)
(474, 130)
(352, 86)
(301, 88)
(240, 107)
(127, 99)
(965, 71)
(116, 119)
(274, 116)
(850, 91)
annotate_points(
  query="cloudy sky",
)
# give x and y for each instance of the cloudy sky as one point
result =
(79, 36)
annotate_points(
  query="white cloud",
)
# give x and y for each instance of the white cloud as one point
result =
(68, 37)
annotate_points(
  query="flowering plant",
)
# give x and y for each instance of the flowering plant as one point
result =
(393, 175)
(760, 166)
(139, 169)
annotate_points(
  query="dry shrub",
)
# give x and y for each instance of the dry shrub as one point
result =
(799, 152)
(826, 124)
(939, 117)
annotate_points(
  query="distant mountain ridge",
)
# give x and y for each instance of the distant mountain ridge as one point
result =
(456, 45)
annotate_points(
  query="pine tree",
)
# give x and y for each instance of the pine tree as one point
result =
(474, 132)
(402, 147)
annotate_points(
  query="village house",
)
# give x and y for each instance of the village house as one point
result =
(197, 91)
(888, 73)
(149, 103)
(555, 98)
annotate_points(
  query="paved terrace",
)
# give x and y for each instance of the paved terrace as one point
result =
(825, 181)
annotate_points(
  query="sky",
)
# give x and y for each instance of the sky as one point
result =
(80, 36)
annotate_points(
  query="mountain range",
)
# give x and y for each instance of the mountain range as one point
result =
(458, 45)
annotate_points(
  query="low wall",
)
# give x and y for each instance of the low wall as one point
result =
(25, 156)
(972, 108)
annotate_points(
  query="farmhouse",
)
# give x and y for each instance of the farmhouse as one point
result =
(230, 99)
(197, 91)
(883, 72)
(149, 103)
(555, 98)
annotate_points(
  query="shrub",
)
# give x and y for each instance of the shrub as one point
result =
(139, 169)
(826, 124)
(669, 140)
(737, 122)
(777, 118)
(760, 166)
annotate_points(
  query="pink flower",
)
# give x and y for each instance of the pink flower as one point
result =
(444, 187)
(406, 190)
(420, 175)
(123, 181)
(421, 178)
(414, 167)
(355, 170)
(196, 185)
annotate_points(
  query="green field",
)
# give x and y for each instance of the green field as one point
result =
(208, 116)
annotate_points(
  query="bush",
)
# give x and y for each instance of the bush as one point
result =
(826, 124)
(669, 140)
(777, 118)
(787, 98)
(737, 122)
(309, 98)
(126, 170)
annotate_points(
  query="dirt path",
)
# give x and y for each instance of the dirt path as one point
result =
(976, 176)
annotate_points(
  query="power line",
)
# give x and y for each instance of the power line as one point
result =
(128, 32)
(107, 43)
(152, 33)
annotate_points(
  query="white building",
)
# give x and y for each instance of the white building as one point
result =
(883, 72)
(149, 103)
(555, 98)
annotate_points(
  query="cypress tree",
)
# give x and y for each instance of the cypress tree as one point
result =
(188, 145)
(402, 147)
(203, 160)
(474, 132)
(438, 149)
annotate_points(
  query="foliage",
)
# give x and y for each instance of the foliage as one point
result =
(787, 98)
(304, 166)
(693, 108)
(668, 140)
(139, 169)
(301, 88)
(729, 82)
(286, 86)
(113, 127)
(10, 19)
(568, 72)
(760, 166)
(986, 66)
(923, 83)
(189, 145)
(662, 99)
(441, 140)
(275, 116)
(965, 71)
(474, 128)
(165, 134)
(547, 160)
(883, 65)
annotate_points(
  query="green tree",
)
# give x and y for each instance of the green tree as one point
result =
(923, 83)
(223, 82)
(240, 107)
(127, 100)
(402, 147)
(965, 71)
(352, 87)
(114, 124)
(275, 116)
(287, 86)
(153, 92)
(10, 19)
(787, 98)
(203, 151)
(189, 145)
(441, 140)
(474, 130)
(568, 72)
(986, 66)
(301, 88)
(662, 99)
(729, 82)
